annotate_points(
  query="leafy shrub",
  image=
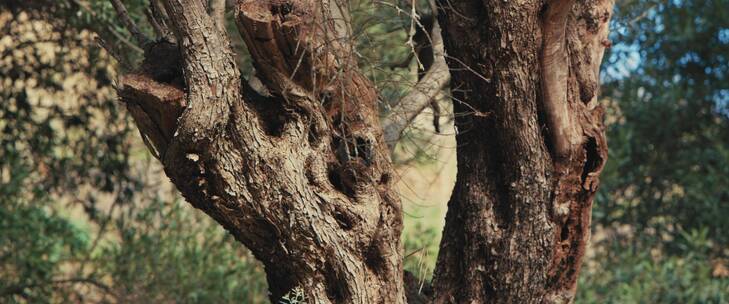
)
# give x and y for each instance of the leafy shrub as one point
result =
(34, 248)
(628, 272)
(171, 253)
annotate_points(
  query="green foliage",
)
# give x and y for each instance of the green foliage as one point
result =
(58, 116)
(97, 16)
(669, 137)
(172, 254)
(668, 173)
(75, 225)
(65, 144)
(34, 245)
(625, 272)
(165, 252)
(380, 31)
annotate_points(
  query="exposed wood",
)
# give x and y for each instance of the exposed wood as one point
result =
(577, 175)
(155, 107)
(564, 133)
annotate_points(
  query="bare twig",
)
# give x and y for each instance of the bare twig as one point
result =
(109, 28)
(104, 45)
(641, 16)
(129, 24)
(158, 30)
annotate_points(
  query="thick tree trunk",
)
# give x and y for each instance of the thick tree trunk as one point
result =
(302, 178)
(530, 147)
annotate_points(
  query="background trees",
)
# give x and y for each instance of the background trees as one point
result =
(683, 264)
(674, 111)
(666, 81)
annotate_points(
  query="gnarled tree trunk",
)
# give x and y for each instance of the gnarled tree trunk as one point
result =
(530, 147)
(303, 177)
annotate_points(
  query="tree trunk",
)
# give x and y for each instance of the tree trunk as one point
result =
(530, 147)
(302, 178)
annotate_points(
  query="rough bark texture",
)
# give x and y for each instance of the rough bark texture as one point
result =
(530, 147)
(302, 178)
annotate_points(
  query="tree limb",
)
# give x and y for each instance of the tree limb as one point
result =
(421, 95)
(210, 70)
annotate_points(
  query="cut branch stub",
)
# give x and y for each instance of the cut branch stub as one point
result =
(154, 106)
(293, 44)
(278, 36)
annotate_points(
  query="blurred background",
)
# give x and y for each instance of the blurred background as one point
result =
(88, 216)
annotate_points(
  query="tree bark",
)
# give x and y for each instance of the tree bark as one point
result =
(531, 145)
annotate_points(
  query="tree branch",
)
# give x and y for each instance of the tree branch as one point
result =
(159, 14)
(121, 11)
(422, 94)
(159, 31)
(211, 73)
